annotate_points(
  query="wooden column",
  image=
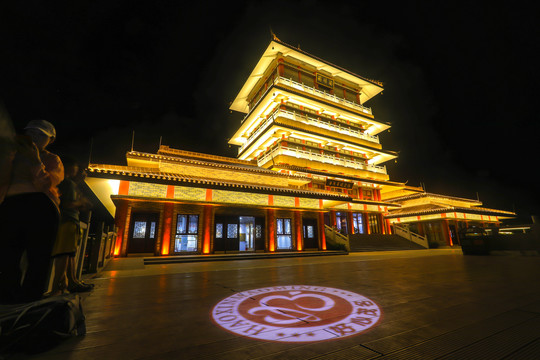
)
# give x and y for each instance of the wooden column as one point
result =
(421, 229)
(271, 229)
(322, 235)
(168, 210)
(120, 221)
(207, 229)
(350, 223)
(446, 232)
(366, 222)
(297, 216)
(388, 226)
(381, 223)
(280, 67)
(333, 222)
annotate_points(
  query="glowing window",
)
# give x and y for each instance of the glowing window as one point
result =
(310, 232)
(232, 231)
(284, 235)
(152, 229)
(139, 229)
(187, 228)
(219, 231)
(193, 224)
(358, 223)
(185, 243)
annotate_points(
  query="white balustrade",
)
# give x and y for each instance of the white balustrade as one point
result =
(404, 232)
(324, 158)
(306, 120)
(331, 97)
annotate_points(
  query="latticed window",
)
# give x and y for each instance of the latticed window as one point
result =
(219, 231)
(284, 234)
(139, 229)
(232, 231)
(258, 231)
(187, 229)
(309, 232)
(358, 223)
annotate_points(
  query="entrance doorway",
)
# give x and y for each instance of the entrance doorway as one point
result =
(143, 232)
(246, 233)
(311, 240)
(238, 233)
(454, 235)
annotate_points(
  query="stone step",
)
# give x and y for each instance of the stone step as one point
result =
(237, 256)
(380, 242)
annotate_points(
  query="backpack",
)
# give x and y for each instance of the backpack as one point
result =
(40, 325)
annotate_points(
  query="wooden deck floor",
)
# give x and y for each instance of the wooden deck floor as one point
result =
(436, 304)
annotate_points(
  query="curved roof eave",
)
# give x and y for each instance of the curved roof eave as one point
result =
(370, 88)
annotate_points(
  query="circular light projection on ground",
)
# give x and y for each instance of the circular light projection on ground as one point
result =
(296, 313)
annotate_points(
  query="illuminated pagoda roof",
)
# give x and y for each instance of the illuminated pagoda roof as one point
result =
(194, 158)
(299, 170)
(154, 175)
(370, 88)
(433, 196)
(436, 209)
(430, 203)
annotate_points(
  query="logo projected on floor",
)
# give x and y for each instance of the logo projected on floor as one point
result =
(296, 313)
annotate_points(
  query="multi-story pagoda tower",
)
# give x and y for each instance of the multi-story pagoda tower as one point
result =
(305, 113)
(307, 116)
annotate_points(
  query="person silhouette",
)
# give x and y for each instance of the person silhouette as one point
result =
(29, 215)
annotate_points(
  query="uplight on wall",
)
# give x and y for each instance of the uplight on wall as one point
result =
(114, 185)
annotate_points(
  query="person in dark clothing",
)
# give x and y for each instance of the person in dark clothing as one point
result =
(29, 215)
(65, 248)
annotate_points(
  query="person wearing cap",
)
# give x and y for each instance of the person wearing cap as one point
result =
(29, 215)
(43, 134)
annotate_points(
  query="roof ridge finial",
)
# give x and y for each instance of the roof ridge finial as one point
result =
(274, 37)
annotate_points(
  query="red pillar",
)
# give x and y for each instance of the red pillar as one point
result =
(321, 231)
(350, 223)
(446, 232)
(207, 229)
(120, 221)
(271, 221)
(333, 218)
(123, 189)
(366, 221)
(298, 230)
(421, 229)
(168, 210)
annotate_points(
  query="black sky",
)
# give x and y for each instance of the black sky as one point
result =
(460, 79)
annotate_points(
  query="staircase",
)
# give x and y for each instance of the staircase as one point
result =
(380, 242)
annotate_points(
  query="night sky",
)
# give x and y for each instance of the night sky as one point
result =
(460, 79)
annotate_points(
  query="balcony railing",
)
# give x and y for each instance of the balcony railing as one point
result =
(306, 120)
(326, 125)
(323, 158)
(310, 90)
(325, 95)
